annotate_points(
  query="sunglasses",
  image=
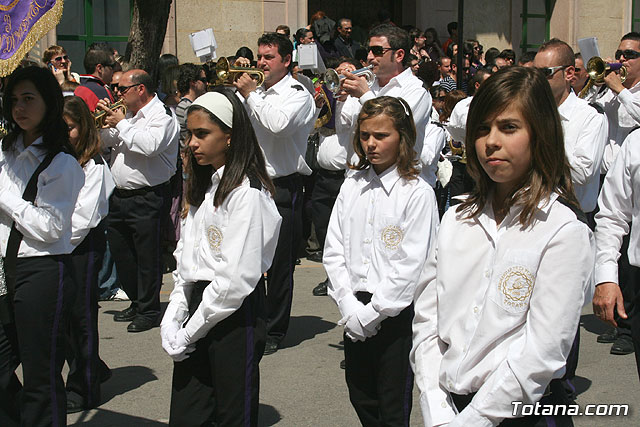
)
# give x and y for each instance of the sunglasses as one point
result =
(549, 71)
(203, 80)
(124, 89)
(379, 50)
(628, 54)
(110, 65)
(60, 58)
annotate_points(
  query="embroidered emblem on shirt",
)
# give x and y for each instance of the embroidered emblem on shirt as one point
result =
(516, 285)
(215, 237)
(392, 236)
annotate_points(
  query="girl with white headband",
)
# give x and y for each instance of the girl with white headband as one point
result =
(214, 326)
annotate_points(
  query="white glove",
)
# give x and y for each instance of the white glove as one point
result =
(352, 328)
(176, 344)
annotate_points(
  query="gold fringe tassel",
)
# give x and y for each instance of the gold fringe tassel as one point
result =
(48, 21)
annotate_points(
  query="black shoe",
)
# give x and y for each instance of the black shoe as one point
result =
(623, 345)
(74, 404)
(126, 315)
(343, 364)
(608, 337)
(315, 257)
(105, 373)
(271, 346)
(321, 289)
(141, 324)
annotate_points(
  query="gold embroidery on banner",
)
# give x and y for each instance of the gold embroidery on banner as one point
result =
(516, 284)
(215, 237)
(9, 6)
(392, 236)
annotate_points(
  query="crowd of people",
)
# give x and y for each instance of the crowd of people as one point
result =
(462, 224)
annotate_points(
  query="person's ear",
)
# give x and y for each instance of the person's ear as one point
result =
(400, 53)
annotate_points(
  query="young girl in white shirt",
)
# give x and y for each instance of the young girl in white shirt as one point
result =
(214, 325)
(86, 369)
(35, 240)
(499, 300)
(381, 227)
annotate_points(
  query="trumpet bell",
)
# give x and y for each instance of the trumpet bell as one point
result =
(226, 74)
(332, 80)
(598, 69)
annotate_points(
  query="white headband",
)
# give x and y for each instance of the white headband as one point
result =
(218, 105)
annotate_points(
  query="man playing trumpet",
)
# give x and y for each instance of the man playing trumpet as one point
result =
(144, 157)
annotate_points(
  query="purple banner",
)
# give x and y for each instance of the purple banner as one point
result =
(22, 24)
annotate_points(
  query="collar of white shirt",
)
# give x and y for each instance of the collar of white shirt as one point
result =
(566, 108)
(217, 176)
(402, 79)
(280, 86)
(144, 111)
(487, 218)
(387, 179)
(35, 149)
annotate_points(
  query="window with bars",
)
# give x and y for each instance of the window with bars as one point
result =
(87, 21)
(536, 19)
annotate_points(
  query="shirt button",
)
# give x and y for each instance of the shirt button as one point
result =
(367, 240)
(475, 309)
(366, 261)
(443, 404)
(450, 385)
(371, 221)
(487, 273)
(364, 280)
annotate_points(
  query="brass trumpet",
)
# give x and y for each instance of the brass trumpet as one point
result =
(332, 80)
(226, 74)
(597, 70)
(99, 115)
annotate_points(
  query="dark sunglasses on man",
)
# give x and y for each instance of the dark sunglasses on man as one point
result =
(379, 50)
(628, 54)
(549, 71)
(60, 58)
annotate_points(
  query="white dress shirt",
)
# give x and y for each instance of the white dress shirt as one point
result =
(619, 200)
(377, 241)
(230, 246)
(282, 117)
(46, 223)
(623, 114)
(406, 86)
(585, 136)
(333, 151)
(92, 205)
(145, 147)
(435, 137)
(496, 312)
(457, 124)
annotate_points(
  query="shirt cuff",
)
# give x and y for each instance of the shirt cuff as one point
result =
(606, 273)
(436, 413)
(369, 318)
(367, 96)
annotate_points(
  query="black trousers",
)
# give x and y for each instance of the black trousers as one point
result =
(378, 374)
(84, 361)
(289, 202)
(557, 397)
(134, 231)
(220, 381)
(37, 340)
(324, 196)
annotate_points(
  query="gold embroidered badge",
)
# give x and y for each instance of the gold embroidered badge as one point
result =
(516, 285)
(392, 236)
(215, 237)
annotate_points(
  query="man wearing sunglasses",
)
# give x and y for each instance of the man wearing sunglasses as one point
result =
(388, 48)
(144, 146)
(621, 104)
(98, 65)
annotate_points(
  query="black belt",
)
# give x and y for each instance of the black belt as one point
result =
(121, 192)
(283, 181)
(328, 172)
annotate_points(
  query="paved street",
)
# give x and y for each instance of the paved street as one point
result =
(302, 384)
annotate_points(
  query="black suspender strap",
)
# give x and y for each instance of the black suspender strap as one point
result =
(13, 245)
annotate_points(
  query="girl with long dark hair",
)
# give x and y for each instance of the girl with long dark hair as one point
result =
(214, 327)
(40, 180)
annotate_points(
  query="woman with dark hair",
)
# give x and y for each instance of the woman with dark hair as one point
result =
(500, 297)
(40, 180)
(432, 44)
(86, 369)
(214, 326)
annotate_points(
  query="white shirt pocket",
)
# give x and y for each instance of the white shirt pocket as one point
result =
(390, 234)
(513, 280)
(214, 230)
